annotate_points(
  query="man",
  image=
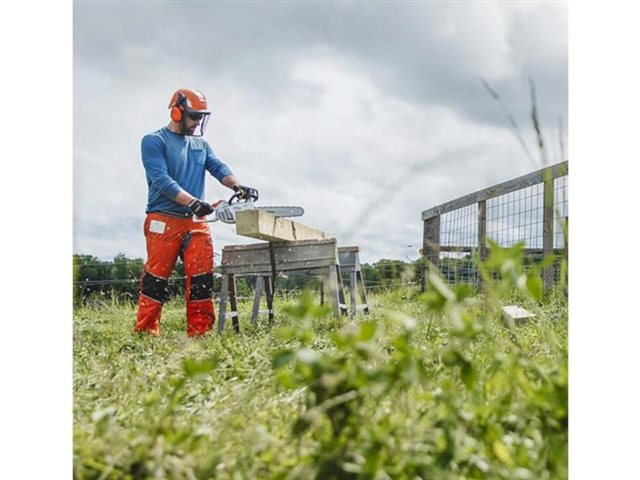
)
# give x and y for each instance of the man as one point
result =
(175, 162)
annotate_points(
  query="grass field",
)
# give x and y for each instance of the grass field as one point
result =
(432, 387)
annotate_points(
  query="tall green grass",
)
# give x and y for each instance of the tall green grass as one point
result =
(432, 386)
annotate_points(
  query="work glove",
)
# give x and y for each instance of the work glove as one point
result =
(200, 209)
(245, 193)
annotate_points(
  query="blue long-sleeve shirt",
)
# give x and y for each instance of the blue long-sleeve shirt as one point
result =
(173, 162)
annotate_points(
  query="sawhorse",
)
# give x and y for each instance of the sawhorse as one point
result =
(265, 260)
(349, 259)
(350, 263)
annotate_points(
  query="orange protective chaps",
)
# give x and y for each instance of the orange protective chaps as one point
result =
(167, 237)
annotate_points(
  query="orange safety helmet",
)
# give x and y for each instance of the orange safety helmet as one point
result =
(191, 103)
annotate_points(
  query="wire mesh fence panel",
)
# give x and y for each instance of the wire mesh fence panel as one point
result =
(459, 228)
(516, 217)
(458, 268)
(456, 232)
(459, 238)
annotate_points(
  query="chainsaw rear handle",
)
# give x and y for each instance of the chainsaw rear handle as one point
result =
(222, 211)
(207, 219)
(235, 198)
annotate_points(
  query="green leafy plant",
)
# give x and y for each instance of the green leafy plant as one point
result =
(434, 385)
(487, 409)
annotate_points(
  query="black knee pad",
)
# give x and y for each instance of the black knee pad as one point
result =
(201, 286)
(154, 287)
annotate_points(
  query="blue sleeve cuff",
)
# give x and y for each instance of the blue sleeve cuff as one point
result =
(172, 191)
(224, 171)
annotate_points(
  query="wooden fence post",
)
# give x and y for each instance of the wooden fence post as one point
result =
(547, 232)
(482, 229)
(431, 244)
(482, 235)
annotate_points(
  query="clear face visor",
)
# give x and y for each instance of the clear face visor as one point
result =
(193, 117)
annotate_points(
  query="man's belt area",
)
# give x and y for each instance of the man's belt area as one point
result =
(185, 215)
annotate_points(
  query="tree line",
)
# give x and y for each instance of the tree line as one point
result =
(120, 278)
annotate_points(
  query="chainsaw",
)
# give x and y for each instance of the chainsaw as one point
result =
(226, 211)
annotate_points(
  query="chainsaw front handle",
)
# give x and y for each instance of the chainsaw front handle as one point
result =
(235, 198)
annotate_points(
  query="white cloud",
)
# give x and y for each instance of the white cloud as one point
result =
(335, 121)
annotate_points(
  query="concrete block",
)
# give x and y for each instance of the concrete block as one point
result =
(517, 314)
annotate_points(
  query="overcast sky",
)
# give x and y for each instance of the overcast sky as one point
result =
(363, 113)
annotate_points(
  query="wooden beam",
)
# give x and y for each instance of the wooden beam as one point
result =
(468, 249)
(266, 226)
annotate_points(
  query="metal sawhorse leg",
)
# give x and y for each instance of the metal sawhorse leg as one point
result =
(350, 263)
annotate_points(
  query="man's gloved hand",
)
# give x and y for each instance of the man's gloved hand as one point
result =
(199, 208)
(245, 193)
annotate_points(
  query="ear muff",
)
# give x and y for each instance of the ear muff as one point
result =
(177, 108)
